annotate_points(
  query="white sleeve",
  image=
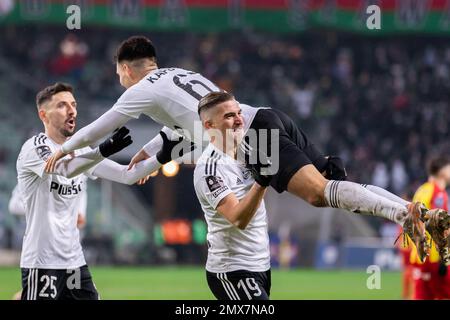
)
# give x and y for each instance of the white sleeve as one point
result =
(74, 166)
(108, 169)
(82, 207)
(213, 189)
(134, 101)
(16, 205)
(35, 160)
(98, 129)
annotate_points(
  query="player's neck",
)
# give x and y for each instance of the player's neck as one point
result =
(229, 151)
(55, 136)
(149, 69)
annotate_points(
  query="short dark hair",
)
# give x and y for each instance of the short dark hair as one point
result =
(212, 99)
(135, 47)
(47, 93)
(435, 164)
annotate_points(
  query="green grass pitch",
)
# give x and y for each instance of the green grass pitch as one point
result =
(173, 283)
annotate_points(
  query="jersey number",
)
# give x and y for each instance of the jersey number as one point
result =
(188, 86)
(250, 287)
(49, 281)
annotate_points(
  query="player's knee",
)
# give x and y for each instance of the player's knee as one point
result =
(316, 195)
(316, 200)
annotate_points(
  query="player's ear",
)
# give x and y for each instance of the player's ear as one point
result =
(42, 114)
(128, 70)
(208, 124)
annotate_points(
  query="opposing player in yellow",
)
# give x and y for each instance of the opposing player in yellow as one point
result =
(431, 279)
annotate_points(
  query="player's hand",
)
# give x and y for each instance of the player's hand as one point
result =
(51, 162)
(261, 179)
(118, 141)
(335, 169)
(143, 180)
(259, 169)
(138, 157)
(165, 154)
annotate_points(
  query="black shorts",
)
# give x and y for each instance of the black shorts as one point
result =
(295, 149)
(240, 285)
(58, 284)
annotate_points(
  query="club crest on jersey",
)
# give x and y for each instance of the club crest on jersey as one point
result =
(215, 185)
(247, 173)
(43, 152)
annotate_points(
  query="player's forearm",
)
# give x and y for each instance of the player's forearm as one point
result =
(118, 173)
(244, 211)
(98, 129)
(154, 145)
(70, 168)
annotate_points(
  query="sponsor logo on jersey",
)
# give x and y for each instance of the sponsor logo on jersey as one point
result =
(65, 189)
(218, 192)
(43, 152)
(238, 181)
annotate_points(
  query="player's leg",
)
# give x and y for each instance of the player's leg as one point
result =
(42, 284)
(79, 285)
(308, 184)
(296, 135)
(297, 174)
(239, 285)
(318, 159)
(386, 194)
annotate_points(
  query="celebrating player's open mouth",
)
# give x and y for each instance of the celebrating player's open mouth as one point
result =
(70, 123)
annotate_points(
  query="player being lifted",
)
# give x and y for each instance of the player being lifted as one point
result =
(170, 96)
(52, 260)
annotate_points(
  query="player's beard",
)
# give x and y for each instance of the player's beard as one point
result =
(66, 133)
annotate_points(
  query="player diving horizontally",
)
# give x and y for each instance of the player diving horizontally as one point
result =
(52, 260)
(170, 96)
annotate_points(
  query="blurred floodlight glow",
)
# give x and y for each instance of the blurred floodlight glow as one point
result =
(170, 169)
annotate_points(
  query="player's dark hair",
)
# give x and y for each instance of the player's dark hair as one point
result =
(435, 164)
(47, 93)
(212, 99)
(134, 48)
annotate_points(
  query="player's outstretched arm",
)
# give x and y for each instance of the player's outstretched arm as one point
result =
(77, 165)
(152, 147)
(140, 171)
(89, 135)
(240, 213)
(110, 170)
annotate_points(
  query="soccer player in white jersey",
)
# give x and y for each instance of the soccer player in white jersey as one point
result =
(52, 260)
(238, 264)
(170, 96)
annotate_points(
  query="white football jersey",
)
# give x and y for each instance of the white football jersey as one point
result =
(229, 248)
(170, 96)
(51, 202)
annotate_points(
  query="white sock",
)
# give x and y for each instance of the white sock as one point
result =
(385, 194)
(355, 198)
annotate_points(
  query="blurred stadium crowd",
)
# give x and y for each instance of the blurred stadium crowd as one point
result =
(378, 103)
